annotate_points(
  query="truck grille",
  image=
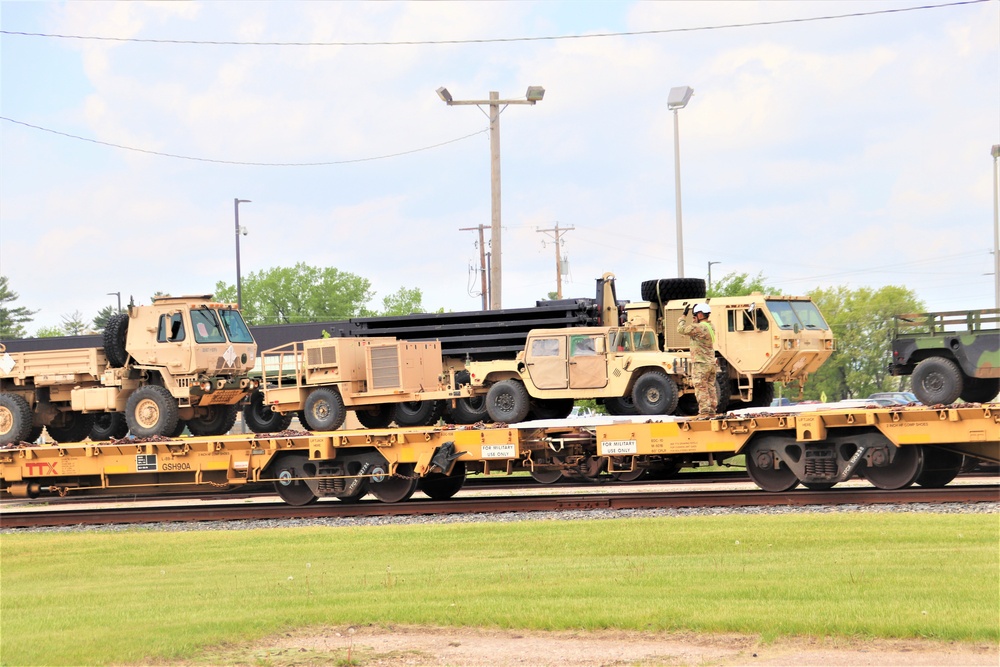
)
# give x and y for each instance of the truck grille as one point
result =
(385, 367)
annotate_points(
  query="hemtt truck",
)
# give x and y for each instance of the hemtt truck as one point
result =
(643, 365)
(950, 355)
(182, 361)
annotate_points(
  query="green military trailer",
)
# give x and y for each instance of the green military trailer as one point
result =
(950, 355)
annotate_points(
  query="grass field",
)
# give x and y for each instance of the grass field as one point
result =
(135, 596)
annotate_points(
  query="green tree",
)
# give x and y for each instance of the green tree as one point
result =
(12, 320)
(103, 315)
(741, 284)
(861, 321)
(49, 332)
(403, 302)
(284, 295)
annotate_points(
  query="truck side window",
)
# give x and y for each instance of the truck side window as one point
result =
(582, 346)
(646, 341)
(171, 329)
(545, 347)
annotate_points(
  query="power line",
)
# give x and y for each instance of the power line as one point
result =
(500, 40)
(234, 162)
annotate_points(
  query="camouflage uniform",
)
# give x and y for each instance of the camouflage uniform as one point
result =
(704, 367)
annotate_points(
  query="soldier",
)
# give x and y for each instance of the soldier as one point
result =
(703, 364)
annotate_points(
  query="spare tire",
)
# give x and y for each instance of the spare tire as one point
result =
(114, 340)
(668, 289)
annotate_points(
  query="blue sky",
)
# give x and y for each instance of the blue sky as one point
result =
(853, 151)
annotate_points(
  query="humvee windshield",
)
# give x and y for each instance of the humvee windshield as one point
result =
(789, 313)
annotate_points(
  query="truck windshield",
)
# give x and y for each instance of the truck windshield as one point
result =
(206, 326)
(236, 328)
(789, 313)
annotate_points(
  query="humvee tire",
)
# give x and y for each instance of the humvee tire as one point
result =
(980, 390)
(375, 416)
(620, 405)
(655, 393)
(668, 289)
(417, 413)
(937, 380)
(219, 421)
(550, 408)
(470, 410)
(114, 340)
(15, 419)
(260, 418)
(508, 402)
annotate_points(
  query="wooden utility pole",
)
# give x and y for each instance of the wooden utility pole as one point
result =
(482, 262)
(556, 233)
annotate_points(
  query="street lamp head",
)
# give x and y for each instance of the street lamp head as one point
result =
(444, 95)
(243, 201)
(678, 97)
(995, 151)
(535, 94)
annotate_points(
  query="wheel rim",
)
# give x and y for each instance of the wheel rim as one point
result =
(6, 421)
(906, 466)
(764, 472)
(147, 413)
(321, 410)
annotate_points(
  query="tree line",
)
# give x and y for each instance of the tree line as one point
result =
(861, 318)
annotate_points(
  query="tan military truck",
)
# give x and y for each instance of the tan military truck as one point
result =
(382, 380)
(182, 361)
(642, 365)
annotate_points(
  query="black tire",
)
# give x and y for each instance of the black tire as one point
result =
(980, 390)
(34, 434)
(179, 429)
(655, 393)
(115, 334)
(668, 289)
(763, 394)
(937, 380)
(551, 408)
(508, 402)
(375, 416)
(15, 419)
(417, 413)
(109, 426)
(219, 421)
(619, 406)
(260, 418)
(151, 410)
(470, 410)
(74, 427)
(324, 410)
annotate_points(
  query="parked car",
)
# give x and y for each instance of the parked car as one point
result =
(897, 397)
(781, 402)
(864, 403)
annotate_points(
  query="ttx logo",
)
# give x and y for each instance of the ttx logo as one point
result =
(41, 468)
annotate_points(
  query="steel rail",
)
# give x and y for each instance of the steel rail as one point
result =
(494, 505)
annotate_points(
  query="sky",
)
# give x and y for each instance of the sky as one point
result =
(820, 153)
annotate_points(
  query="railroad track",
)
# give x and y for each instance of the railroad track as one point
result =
(65, 516)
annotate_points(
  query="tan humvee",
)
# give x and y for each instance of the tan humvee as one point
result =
(182, 361)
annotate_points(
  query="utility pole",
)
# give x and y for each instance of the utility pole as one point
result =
(482, 262)
(557, 233)
(710, 275)
(534, 94)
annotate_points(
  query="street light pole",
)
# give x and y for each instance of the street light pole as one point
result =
(710, 275)
(995, 152)
(677, 100)
(119, 295)
(534, 94)
(239, 279)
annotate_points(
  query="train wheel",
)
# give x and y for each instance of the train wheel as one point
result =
(442, 487)
(940, 467)
(546, 476)
(394, 489)
(765, 472)
(290, 485)
(15, 419)
(819, 486)
(902, 471)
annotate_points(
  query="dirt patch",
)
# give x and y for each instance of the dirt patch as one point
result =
(399, 646)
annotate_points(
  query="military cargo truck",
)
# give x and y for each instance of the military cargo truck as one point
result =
(182, 361)
(950, 355)
(642, 365)
(382, 380)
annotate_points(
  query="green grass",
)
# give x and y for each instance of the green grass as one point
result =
(137, 596)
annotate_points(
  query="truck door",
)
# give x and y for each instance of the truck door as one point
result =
(746, 341)
(546, 361)
(588, 361)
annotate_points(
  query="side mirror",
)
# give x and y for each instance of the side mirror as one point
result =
(795, 328)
